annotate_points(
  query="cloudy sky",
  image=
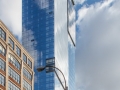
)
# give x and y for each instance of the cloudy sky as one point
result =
(98, 40)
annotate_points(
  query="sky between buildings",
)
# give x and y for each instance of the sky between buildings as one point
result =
(98, 40)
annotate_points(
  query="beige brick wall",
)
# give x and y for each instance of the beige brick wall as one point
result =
(9, 50)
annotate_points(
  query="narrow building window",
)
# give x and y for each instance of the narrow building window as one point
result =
(29, 63)
(2, 50)
(2, 34)
(18, 51)
(11, 43)
(2, 80)
(2, 64)
(24, 58)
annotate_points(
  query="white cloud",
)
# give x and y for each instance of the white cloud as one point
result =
(79, 1)
(10, 14)
(98, 48)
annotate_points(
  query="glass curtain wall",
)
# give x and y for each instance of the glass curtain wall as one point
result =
(48, 34)
(71, 44)
(38, 38)
(61, 41)
(65, 42)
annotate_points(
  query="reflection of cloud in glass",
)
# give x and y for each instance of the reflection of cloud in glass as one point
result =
(71, 17)
(61, 40)
(79, 1)
(42, 3)
(31, 44)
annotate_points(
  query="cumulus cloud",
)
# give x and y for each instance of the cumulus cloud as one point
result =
(98, 46)
(79, 1)
(10, 14)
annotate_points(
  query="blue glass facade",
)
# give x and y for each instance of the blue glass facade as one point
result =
(71, 45)
(45, 28)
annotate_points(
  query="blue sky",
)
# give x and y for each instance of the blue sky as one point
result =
(98, 41)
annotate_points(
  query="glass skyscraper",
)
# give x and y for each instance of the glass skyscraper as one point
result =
(48, 34)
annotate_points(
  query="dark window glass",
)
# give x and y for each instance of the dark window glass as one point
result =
(24, 58)
(2, 64)
(29, 63)
(50, 61)
(2, 34)
(11, 43)
(18, 51)
(2, 50)
(2, 80)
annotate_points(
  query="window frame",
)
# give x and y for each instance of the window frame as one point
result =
(10, 84)
(24, 56)
(11, 42)
(26, 85)
(2, 80)
(18, 51)
(27, 74)
(30, 63)
(14, 61)
(2, 65)
(2, 50)
(14, 75)
(2, 34)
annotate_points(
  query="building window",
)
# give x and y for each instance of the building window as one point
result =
(18, 51)
(50, 61)
(24, 58)
(2, 80)
(11, 43)
(26, 85)
(2, 64)
(14, 75)
(27, 74)
(2, 34)
(29, 63)
(2, 50)
(11, 86)
(14, 61)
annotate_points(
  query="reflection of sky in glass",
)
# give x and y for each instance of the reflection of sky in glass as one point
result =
(61, 41)
(71, 42)
(38, 37)
(43, 3)
(71, 65)
(71, 23)
(45, 36)
(64, 47)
